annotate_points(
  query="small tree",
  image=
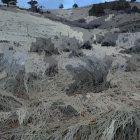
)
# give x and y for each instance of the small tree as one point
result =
(133, 0)
(122, 0)
(12, 2)
(135, 9)
(5, 1)
(75, 5)
(33, 5)
(61, 6)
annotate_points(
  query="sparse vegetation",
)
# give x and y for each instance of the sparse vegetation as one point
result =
(45, 59)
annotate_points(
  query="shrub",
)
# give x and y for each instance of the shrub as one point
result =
(16, 85)
(75, 5)
(135, 9)
(109, 39)
(89, 78)
(120, 5)
(61, 6)
(133, 0)
(48, 12)
(98, 9)
(33, 5)
(44, 45)
(12, 2)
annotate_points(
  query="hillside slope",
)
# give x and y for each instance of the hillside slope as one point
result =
(62, 80)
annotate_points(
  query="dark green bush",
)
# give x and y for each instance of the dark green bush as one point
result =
(135, 9)
(33, 6)
(13, 2)
(133, 0)
(97, 10)
(120, 5)
(61, 6)
(75, 5)
(44, 45)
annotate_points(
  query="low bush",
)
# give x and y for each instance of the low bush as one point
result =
(44, 45)
(135, 9)
(89, 78)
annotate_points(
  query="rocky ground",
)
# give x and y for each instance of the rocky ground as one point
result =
(67, 76)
